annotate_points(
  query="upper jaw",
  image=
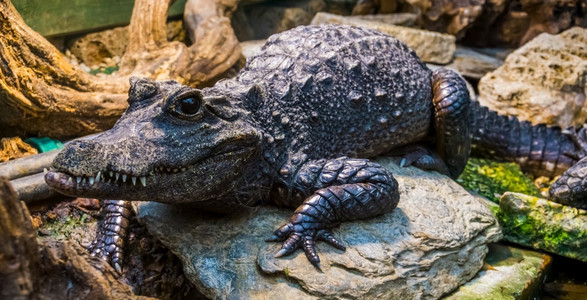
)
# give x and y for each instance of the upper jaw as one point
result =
(120, 178)
(109, 183)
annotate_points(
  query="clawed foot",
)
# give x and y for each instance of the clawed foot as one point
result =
(109, 242)
(107, 248)
(304, 235)
(420, 157)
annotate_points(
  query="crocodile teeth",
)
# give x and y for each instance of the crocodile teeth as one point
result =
(111, 174)
(83, 180)
(144, 180)
(174, 170)
(91, 179)
(117, 175)
(183, 169)
(69, 180)
(45, 170)
(134, 180)
(168, 169)
(78, 179)
(98, 176)
(123, 177)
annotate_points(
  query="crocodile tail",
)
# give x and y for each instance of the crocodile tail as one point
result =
(539, 149)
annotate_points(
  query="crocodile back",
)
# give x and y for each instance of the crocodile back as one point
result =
(338, 90)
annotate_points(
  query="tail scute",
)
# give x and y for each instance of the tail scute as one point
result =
(539, 149)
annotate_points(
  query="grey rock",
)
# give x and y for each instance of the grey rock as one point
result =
(431, 244)
(400, 19)
(473, 64)
(510, 273)
(542, 82)
(250, 48)
(430, 46)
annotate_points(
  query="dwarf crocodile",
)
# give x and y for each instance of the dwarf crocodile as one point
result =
(295, 128)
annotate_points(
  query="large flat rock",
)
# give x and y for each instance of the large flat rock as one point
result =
(432, 243)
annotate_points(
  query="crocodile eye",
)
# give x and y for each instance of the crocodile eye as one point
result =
(189, 106)
(186, 105)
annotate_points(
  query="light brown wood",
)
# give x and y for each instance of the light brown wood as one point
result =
(41, 93)
(60, 270)
(19, 254)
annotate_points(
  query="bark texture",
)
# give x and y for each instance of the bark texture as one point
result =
(19, 255)
(29, 270)
(42, 93)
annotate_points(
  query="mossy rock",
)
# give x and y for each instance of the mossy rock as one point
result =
(491, 179)
(544, 225)
(509, 273)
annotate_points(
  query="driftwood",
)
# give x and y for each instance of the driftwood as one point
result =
(29, 270)
(13, 148)
(19, 255)
(42, 93)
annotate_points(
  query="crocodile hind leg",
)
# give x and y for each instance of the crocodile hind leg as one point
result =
(331, 191)
(452, 139)
(112, 232)
(451, 119)
(571, 187)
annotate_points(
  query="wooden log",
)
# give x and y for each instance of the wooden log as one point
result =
(42, 93)
(61, 270)
(19, 254)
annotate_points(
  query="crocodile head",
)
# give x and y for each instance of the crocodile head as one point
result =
(173, 144)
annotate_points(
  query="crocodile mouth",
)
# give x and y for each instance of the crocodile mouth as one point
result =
(67, 181)
(125, 185)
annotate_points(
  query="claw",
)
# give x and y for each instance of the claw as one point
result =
(304, 237)
(118, 268)
(281, 253)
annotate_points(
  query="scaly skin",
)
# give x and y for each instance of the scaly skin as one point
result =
(294, 128)
(109, 244)
(540, 150)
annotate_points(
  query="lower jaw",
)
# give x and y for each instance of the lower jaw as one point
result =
(67, 185)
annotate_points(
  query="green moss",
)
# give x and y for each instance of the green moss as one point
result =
(514, 274)
(107, 71)
(491, 179)
(544, 225)
(64, 228)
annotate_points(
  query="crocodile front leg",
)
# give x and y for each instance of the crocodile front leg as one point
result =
(112, 232)
(332, 191)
